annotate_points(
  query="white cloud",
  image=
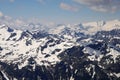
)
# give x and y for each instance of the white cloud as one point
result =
(8, 0)
(1, 14)
(11, 0)
(68, 7)
(101, 5)
(41, 1)
(9, 21)
(4, 17)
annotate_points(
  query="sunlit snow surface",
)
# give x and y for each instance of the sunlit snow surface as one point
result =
(17, 52)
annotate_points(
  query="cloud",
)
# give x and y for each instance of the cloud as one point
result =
(18, 23)
(9, 21)
(68, 7)
(11, 0)
(4, 17)
(101, 5)
(8, 0)
(1, 14)
(41, 1)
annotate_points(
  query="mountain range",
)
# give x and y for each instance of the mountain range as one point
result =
(85, 51)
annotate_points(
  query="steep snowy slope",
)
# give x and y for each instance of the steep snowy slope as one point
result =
(18, 46)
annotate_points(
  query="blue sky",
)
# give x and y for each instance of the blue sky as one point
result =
(62, 11)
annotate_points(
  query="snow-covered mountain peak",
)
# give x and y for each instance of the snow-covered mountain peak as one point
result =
(21, 45)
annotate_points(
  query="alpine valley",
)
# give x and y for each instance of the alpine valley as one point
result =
(85, 51)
